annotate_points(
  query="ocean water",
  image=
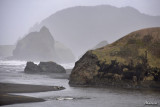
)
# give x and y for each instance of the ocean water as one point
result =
(13, 72)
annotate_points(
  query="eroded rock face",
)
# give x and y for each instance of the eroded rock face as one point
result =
(45, 67)
(85, 69)
(51, 67)
(32, 68)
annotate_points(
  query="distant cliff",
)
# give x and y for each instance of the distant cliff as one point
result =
(41, 46)
(83, 26)
(65, 54)
(132, 61)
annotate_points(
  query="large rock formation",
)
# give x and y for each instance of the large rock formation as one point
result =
(44, 67)
(51, 67)
(132, 61)
(36, 46)
(40, 46)
(32, 68)
(84, 26)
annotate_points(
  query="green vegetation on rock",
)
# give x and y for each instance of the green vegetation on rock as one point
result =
(133, 60)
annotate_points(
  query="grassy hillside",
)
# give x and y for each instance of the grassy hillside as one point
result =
(134, 58)
(133, 46)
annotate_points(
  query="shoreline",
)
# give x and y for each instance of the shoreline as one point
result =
(6, 99)
(120, 86)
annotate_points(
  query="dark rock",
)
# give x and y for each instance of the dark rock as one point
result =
(45, 67)
(32, 68)
(51, 67)
(85, 69)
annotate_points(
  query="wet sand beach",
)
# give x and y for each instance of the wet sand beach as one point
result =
(6, 88)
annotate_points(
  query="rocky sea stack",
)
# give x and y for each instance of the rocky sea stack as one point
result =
(44, 67)
(132, 61)
(41, 46)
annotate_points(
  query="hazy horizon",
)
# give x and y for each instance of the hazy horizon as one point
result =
(18, 16)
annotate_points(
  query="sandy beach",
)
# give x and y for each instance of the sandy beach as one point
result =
(6, 88)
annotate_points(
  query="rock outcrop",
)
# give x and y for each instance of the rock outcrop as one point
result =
(132, 61)
(36, 46)
(32, 68)
(85, 69)
(51, 67)
(41, 46)
(44, 67)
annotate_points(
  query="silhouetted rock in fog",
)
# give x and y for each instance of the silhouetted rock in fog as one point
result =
(80, 28)
(40, 46)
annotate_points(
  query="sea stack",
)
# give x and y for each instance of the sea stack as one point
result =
(41, 46)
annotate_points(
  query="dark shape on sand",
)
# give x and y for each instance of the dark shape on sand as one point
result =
(45, 67)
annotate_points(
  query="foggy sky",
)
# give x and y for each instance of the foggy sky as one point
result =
(17, 16)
